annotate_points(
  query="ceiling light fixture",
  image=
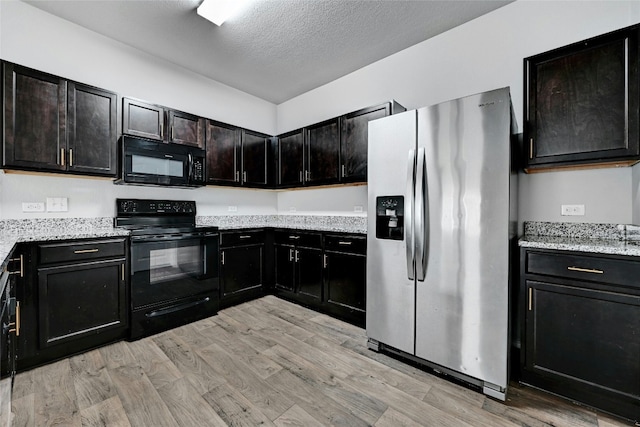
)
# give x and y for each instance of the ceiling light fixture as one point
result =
(218, 11)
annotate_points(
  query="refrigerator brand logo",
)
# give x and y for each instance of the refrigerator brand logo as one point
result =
(486, 104)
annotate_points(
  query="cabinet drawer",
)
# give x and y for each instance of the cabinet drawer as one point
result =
(84, 250)
(351, 244)
(297, 238)
(241, 238)
(583, 267)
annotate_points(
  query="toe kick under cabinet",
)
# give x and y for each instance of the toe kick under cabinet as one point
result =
(580, 326)
(74, 298)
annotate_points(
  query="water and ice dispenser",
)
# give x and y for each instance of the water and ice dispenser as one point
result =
(390, 217)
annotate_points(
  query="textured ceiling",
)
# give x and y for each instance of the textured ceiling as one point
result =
(275, 49)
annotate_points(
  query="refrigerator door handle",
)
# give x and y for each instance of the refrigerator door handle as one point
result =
(421, 216)
(408, 212)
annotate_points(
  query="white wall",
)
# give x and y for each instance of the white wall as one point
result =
(483, 54)
(31, 37)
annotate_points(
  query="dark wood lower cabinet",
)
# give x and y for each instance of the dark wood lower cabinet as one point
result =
(299, 266)
(77, 301)
(345, 280)
(241, 266)
(580, 337)
(80, 300)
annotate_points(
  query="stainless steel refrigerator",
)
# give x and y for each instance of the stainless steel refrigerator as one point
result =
(442, 222)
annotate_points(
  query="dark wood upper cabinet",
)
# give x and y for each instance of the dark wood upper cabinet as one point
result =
(354, 141)
(581, 103)
(53, 124)
(237, 156)
(185, 128)
(222, 153)
(92, 131)
(322, 156)
(290, 155)
(329, 152)
(35, 119)
(140, 118)
(255, 158)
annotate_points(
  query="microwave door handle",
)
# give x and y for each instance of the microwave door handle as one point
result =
(190, 168)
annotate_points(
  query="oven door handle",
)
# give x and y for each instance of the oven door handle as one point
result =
(175, 308)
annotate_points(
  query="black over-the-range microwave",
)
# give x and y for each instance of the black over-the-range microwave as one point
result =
(149, 162)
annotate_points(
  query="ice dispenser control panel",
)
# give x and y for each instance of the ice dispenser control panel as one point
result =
(390, 217)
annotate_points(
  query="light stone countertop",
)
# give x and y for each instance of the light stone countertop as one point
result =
(613, 239)
(13, 231)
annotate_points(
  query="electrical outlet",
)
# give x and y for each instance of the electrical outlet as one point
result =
(32, 207)
(572, 210)
(57, 204)
(357, 209)
(292, 209)
(233, 209)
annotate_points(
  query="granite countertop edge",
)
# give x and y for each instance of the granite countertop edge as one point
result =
(13, 232)
(611, 239)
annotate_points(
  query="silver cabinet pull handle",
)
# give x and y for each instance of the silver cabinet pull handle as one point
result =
(21, 271)
(245, 237)
(297, 254)
(294, 237)
(324, 261)
(86, 251)
(344, 243)
(585, 270)
(290, 255)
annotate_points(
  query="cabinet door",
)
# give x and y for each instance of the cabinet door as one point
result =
(185, 129)
(92, 130)
(241, 269)
(255, 151)
(222, 153)
(323, 151)
(142, 119)
(586, 336)
(35, 114)
(290, 159)
(285, 267)
(582, 102)
(309, 266)
(354, 136)
(80, 300)
(346, 280)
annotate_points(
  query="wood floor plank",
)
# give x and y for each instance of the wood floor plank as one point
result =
(191, 365)
(117, 355)
(91, 379)
(363, 365)
(296, 417)
(23, 384)
(269, 401)
(55, 396)
(108, 413)
(264, 320)
(187, 405)
(256, 361)
(319, 406)
(23, 409)
(234, 408)
(154, 362)
(393, 418)
(471, 414)
(140, 400)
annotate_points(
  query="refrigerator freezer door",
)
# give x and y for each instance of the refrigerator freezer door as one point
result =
(390, 292)
(462, 305)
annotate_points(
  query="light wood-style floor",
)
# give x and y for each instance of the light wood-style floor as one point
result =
(267, 362)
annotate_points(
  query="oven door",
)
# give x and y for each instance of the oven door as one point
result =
(170, 268)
